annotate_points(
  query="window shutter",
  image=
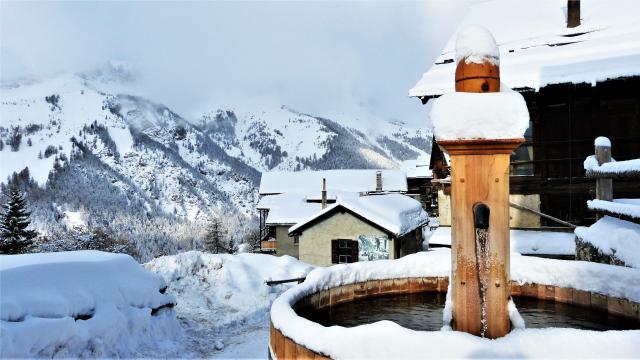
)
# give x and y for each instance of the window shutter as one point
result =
(354, 250)
(335, 251)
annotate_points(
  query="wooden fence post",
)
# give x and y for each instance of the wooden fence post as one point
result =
(604, 187)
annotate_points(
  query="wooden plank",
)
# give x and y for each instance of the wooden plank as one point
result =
(324, 299)
(415, 285)
(279, 348)
(516, 289)
(621, 307)
(430, 284)
(289, 349)
(582, 298)
(401, 285)
(599, 301)
(386, 286)
(443, 283)
(564, 295)
(359, 290)
(373, 287)
(303, 353)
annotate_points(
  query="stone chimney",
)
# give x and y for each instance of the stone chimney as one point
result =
(324, 193)
(379, 181)
(573, 13)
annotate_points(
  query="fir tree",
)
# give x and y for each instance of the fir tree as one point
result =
(214, 237)
(14, 236)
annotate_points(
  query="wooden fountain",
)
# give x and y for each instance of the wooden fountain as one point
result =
(480, 218)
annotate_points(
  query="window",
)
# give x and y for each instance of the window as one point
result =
(296, 240)
(344, 251)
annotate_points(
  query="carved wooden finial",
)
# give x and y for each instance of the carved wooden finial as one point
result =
(478, 56)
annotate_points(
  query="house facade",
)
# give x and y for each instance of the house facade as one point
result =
(578, 82)
(340, 223)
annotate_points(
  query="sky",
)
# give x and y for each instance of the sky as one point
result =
(323, 58)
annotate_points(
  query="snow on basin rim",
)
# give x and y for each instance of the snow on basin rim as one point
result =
(499, 115)
(360, 341)
(476, 44)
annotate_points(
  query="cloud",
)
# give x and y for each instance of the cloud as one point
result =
(323, 58)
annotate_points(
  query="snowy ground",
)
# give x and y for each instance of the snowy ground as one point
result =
(222, 300)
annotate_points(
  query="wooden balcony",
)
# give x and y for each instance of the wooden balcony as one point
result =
(268, 245)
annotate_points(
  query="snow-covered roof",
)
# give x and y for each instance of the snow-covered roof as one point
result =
(395, 213)
(289, 208)
(417, 168)
(278, 182)
(537, 48)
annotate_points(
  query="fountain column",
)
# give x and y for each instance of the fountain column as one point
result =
(480, 214)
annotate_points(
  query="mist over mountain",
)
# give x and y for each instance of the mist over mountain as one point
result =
(95, 157)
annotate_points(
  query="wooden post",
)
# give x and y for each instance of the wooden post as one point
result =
(573, 13)
(480, 174)
(604, 187)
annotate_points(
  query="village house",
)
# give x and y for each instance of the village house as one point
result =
(339, 216)
(579, 72)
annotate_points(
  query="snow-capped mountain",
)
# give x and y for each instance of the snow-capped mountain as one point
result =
(92, 148)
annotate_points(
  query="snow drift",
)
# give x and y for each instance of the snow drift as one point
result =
(82, 304)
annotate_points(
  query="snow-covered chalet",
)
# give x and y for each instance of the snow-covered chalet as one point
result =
(339, 216)
(577, 64)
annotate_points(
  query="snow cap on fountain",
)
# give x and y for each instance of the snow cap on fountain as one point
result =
(466, 116)
(475, 44)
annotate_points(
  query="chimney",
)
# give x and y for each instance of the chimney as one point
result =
(573, 13)
(379, 181)
(324, 193)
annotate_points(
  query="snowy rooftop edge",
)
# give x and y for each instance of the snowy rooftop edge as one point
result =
(537, 49)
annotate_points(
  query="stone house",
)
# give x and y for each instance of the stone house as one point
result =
(363, 212)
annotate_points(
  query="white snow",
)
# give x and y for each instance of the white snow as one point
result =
(42, 293)
(399, 342)
(475, 44)
(417, 168)
(289, 208)
(626, 207)
(614, 237)
(223, 299)
(74, 219)
(277, 182)
(459, 115)
(537, 48)
(602, 141)
(397, 213)
(613, 167)
(526, 242)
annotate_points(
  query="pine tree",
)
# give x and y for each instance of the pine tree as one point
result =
(14, 236)
(214, 237)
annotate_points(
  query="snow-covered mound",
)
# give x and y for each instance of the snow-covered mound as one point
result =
(221, 297)
(615, 237)
(82, 304)
(476, 44)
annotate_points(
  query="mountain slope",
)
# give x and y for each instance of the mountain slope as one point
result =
(143, 174)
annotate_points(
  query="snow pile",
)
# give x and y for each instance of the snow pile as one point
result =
(499, 115)
(357, 342)
(526, 242)
(397, 213)
(223, 299)
(623, 207)
(475, 44)
(613, 167)
(614, 237)
(82, 304)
